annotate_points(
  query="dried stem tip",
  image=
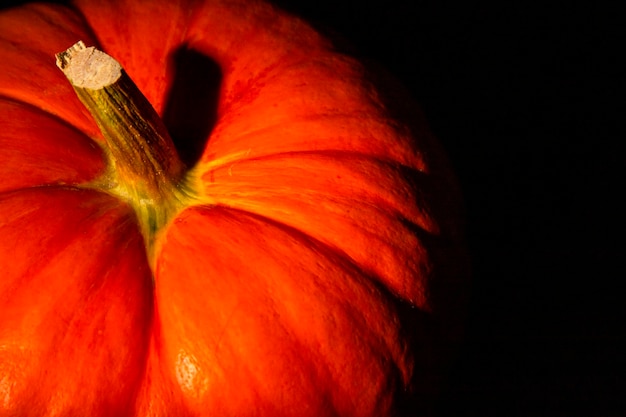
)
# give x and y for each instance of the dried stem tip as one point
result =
(88, 67)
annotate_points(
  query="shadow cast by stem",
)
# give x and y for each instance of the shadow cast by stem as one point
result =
(191, 107)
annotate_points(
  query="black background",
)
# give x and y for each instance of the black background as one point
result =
(527, 100)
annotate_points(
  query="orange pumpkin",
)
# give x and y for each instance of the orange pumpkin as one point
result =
(309, 269)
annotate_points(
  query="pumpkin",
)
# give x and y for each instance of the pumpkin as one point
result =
(298, 249)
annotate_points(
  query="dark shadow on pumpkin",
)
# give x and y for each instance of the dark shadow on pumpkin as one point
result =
(436, 337)
(191, 107)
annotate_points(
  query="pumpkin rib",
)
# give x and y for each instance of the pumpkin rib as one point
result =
(21, 44)
(371, 232)
(415, 294)
(60, 241)
(67, 158)
(54, 305)
(366, 211)
(304, 75)
(262, 405)
(367, 132)
(312, 301)
(238, 97)
(335, 255)
(338, 154)
(43, 112)
(7, 96)
(48, 187)
(362, 149)
(246, 17)
(207, 174)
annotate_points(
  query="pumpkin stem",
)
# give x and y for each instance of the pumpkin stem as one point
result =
(145, 169)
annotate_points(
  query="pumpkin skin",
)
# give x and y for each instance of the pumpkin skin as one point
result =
(312, 278)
